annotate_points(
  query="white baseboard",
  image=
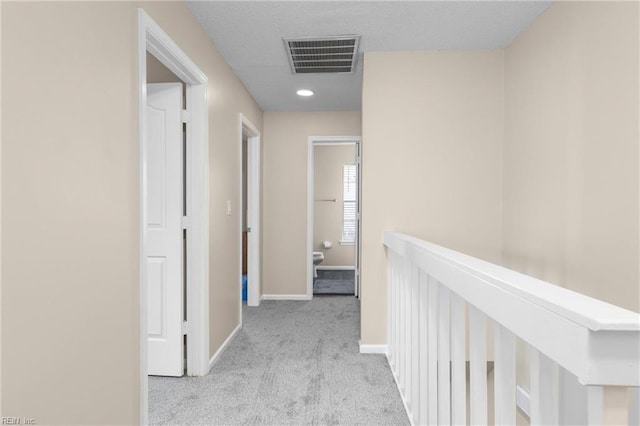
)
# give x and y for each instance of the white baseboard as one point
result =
(335, 268)
(285, 297)
(523, 401)
(223, 346)
(373, 349)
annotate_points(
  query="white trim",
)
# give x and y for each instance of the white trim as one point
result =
(334, 140)
(198, 237)
(223, 346)
(310, 265)
(313, 141)
(404, 401)
(523, 401)
(253, 211)
(347, 243)
(575, 331)
(336, 268)
(152, 39)
(285, 297)
(373, 349)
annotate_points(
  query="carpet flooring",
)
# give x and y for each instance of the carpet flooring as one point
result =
(334, 282)
(293, 362)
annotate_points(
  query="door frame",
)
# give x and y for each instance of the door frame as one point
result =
(312, 142)
(152, 39)
(253, 211)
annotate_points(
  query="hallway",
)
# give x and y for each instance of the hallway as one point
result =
(292, 363)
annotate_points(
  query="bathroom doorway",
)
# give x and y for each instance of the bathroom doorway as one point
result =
(333, 227)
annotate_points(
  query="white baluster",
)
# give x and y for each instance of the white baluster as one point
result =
(432, 412)
(402, 329)
(424, 347)
(478, 367)
(407, 331)
(458, 362)
(544, 394)
(504, 375)
(415, 340)
(444, 359)
(392, 310)
(396, 314)
(396, 321)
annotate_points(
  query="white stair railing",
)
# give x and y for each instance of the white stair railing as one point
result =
(441, 306)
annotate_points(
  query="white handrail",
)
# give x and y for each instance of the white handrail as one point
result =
(574, 330)
(584, 310)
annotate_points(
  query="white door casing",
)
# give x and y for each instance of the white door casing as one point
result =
(253, 178)
(163, 229)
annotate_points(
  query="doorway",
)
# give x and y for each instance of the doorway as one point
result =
(174, 203)
(251, 213)
(165, 236)
(333, 216)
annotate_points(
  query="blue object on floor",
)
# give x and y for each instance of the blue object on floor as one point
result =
(244, 288)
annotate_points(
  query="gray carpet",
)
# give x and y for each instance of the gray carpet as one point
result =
(292, 363)
(334, 282)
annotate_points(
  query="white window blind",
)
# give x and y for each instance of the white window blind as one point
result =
(349, 203)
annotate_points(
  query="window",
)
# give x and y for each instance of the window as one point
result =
(349, 202)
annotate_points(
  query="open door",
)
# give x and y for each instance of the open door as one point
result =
(163, 251)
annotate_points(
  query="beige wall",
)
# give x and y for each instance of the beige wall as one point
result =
(70, 218)
(431, 160)
(328, 168)
(570, 207)
(285, 192)
(158, 73)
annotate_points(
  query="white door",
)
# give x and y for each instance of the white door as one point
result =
(163, 229)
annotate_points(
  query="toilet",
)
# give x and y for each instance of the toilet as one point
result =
(318, 257)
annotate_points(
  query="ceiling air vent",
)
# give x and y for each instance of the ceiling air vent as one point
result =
(334, 54)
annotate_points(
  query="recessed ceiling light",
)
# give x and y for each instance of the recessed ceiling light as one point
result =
(305, 92)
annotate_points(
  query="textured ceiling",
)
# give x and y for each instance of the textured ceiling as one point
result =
(249, 35)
